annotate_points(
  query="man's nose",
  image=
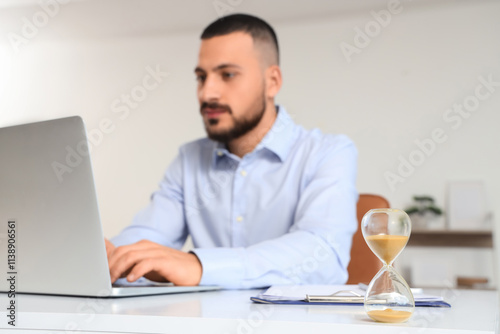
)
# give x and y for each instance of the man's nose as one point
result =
(210, 90)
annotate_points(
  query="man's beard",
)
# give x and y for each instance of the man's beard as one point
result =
(241, 126)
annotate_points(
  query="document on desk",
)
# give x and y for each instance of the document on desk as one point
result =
(330, 295)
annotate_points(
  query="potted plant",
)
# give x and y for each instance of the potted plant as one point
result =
(425, 214)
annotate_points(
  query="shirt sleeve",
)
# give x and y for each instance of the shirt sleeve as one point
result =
(317, 248)
(163, 220)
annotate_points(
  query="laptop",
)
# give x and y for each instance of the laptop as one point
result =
(51, 238)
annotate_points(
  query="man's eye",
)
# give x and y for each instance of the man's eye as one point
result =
(200, 78)
(228, 75)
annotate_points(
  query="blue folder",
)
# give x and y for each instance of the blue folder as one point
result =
(261, 300)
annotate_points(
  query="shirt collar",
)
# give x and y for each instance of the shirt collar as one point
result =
(277, 140)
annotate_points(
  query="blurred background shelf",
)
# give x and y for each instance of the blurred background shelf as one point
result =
(451, 238)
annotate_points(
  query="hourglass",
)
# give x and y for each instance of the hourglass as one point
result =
(388, 297)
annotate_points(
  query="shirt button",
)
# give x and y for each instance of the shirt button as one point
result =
(243, 173)
(219, 153)
(239, 218)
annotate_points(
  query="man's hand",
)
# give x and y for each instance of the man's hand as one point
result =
(109, 247)
(153, 261)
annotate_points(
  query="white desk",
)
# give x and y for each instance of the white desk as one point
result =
(232, 312)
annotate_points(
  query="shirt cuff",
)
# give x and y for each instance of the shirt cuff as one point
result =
(222, 266)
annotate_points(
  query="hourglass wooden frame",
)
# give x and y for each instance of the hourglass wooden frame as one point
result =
(388, 297)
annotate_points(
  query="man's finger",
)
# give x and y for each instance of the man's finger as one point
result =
(119, 252)
(141, 268)
(125, 263)
(109, 247)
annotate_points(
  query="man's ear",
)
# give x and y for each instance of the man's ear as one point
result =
(273, 81)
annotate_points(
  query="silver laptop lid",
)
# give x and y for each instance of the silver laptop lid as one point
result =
(47, 194)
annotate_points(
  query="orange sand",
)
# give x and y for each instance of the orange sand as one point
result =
(389, 315)
(387, 246)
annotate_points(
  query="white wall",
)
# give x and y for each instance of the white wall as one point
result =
(395, 91)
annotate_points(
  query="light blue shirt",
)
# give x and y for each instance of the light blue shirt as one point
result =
(285, 213)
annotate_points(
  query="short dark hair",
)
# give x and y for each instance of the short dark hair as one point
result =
(259, 29)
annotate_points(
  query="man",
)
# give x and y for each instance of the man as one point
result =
(264, 200)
